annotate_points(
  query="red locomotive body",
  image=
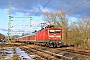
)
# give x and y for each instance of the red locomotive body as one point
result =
(49, 34)
(48, 37)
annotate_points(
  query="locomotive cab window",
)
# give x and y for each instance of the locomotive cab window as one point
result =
(57, 31)
(54, 31)
(51, 31)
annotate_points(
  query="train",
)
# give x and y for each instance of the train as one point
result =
(50, 36)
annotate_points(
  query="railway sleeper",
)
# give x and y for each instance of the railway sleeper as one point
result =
(55, 55)
(41, 54)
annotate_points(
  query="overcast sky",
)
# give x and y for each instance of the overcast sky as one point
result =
(35, 8)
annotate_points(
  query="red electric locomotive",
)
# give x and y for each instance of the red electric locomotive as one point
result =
(48, 37)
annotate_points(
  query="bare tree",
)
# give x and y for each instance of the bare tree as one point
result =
(50, 17)
(81, 31)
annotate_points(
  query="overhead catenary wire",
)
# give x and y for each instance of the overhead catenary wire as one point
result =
(74, 5)
(38, 12)
(78, 6)
(66, 2)
(30, 4)
(69, 9)
(40, 1)
(72, 8)
(47, 4)
(43, 7)
(33, 2)
(86, 13)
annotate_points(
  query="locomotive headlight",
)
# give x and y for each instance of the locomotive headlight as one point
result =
(51, 36)
(50, 42)
(58, 36)
(60, 42)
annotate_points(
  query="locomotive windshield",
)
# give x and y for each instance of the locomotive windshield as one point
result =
(57, 31)
(54, 31)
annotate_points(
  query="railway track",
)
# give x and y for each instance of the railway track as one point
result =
(53, 53)
(47, 55)
(77, 51)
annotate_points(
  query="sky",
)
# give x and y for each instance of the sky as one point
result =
(35, 9)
